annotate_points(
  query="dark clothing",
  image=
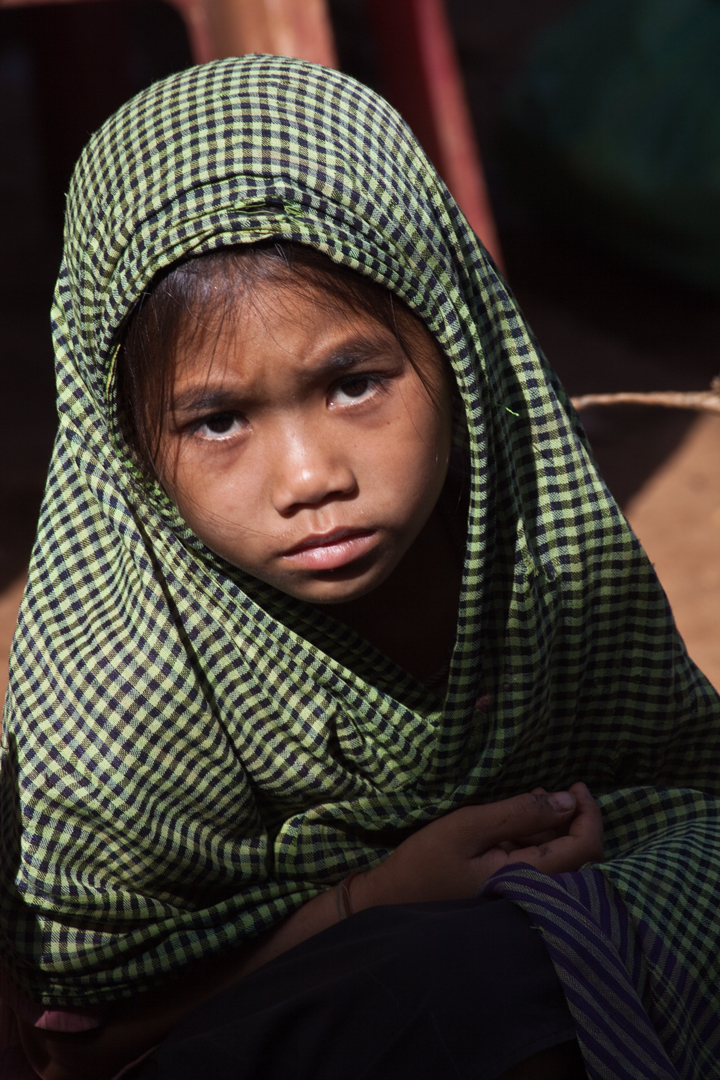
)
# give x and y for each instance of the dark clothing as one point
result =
(460, 989)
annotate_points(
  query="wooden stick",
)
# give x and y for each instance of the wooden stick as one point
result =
(700, 400)
(285, 27)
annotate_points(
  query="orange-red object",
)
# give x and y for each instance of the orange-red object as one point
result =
(419, 65)
(220, 28)
(422, 79)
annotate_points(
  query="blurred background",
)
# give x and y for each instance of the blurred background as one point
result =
(598, 126)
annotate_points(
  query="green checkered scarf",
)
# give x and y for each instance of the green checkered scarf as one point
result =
(189, 755)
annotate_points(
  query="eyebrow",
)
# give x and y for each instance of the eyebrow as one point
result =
(200, 399)
(348, 356)
(344, 358)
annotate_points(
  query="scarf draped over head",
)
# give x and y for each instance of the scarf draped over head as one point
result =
(189, 755)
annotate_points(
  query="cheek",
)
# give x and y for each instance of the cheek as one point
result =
(213, 498)
(410, 457)
(428, 430)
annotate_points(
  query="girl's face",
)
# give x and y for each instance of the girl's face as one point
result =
(303, 446)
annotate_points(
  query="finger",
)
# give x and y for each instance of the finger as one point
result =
(486, 826)
(494, 859)
(582, 844)
(560, 856)
(588, 821)
(551, 834)
(539, 838)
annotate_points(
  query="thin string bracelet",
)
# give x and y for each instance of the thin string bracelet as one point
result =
(342, 895)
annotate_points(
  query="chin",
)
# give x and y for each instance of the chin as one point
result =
(327, 587)
(343, 591)
(333, 596)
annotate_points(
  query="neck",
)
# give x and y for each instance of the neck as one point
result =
(412, 616)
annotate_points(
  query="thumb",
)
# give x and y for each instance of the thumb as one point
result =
(512, 819)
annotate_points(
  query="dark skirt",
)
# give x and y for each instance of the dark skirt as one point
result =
(462, 989)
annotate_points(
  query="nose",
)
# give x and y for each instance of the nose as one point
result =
(309, 470)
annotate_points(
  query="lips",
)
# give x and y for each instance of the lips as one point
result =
(331, 550)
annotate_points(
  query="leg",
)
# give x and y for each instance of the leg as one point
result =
(413, 992)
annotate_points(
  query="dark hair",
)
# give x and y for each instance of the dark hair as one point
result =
(194, 298)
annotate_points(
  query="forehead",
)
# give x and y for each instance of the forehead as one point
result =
(275, 329)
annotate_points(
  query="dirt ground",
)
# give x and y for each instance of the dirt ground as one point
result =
(676, 515)
(9, 603)
(603, 324)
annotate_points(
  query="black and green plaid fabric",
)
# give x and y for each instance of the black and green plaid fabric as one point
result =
(189, 755)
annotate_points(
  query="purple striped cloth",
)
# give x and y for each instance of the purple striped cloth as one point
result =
(601, 958)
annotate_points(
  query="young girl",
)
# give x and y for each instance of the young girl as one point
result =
(329, 623)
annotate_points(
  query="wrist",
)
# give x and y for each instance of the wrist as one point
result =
(342, 895)
(366, 890)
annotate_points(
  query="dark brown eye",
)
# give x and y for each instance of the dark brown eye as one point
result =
(354, 388)
(219, 426)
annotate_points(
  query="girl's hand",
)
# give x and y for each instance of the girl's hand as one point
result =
(450, 858)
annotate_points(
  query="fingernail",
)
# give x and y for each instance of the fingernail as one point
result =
(562, 801)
